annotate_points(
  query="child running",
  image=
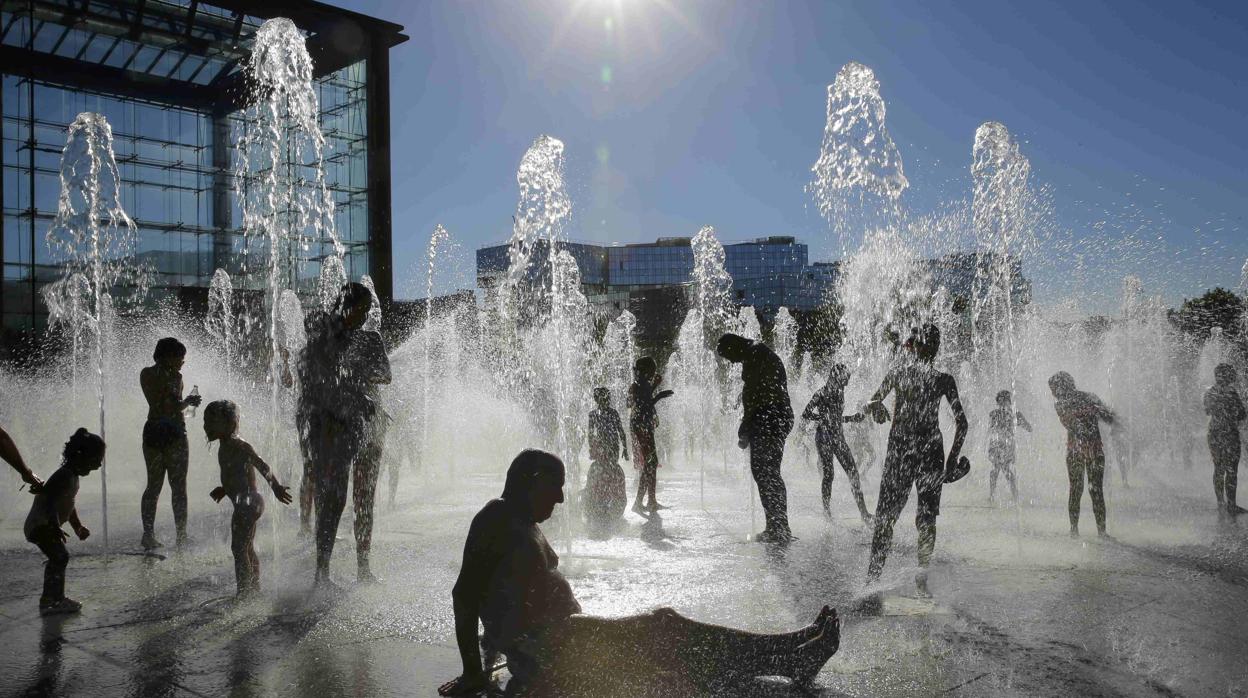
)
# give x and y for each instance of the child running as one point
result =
(237, 458)
(605, 494)
(53, 506)
(826, 408)
(1001, 447)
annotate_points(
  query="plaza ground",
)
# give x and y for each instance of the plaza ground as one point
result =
(1020, 608)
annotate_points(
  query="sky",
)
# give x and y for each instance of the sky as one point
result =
(682, 113)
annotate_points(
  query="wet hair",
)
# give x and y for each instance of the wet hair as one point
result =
(602, 395)
(168, 347)
(82, 445)
(1003, 397)
(526, 469)
(645, 364)
(224, 410)
(353, 296)
(839, 373)
(925, 341)
(1224, 374)
(732, 346)
(1061, 383)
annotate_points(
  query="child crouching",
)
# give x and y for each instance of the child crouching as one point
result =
(53, 506)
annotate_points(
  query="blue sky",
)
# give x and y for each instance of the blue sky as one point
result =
(683, 113)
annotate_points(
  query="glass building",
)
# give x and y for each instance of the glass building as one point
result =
(167, 74)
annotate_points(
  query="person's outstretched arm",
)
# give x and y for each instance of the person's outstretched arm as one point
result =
(12, 456)
(1239, 413)
(282, 493)
(1102, 412)
(1022, 421)
(619, 430)
(814, 408)
(875, 407)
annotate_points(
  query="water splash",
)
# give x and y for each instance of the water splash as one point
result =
(96, 242)
(784, 336)
(220, 320)
(859, 169)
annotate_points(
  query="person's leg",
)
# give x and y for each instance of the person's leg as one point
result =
(54, 568)
(241, 530)
(992, 480)
(307, 487)
(1012, 479)
(1219, 474)
(256, 513)
(850, 466)
(894, 490)
(178, 457)
(1074, 473)
(332, 475)
(364, 490)
(828, 467)
(1096, 478)
(155, 462)
(766, 452)
(663, 641)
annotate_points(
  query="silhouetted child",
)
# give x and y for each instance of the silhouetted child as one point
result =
(643, 420)
(1001, 447)
(237, 459)
(1226, 412)
(53, 506)
(827, 409)
(605, 495)
(1081, 413)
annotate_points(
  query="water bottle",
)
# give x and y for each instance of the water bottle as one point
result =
(194, 392)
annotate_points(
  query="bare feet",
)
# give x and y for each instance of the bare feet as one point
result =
(809, 658)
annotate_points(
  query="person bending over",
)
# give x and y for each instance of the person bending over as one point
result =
(510, 582)
(916, 450)
(827, 408)
(1081, 413)
(766, 420)
(238, 482)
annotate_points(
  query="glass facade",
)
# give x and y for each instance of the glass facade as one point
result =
(173, 140)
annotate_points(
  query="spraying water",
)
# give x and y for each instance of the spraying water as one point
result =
(96, 241)
(220, 321)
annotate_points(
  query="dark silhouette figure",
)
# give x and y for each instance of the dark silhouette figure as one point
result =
(916, 450)
(510, 581)
(605, 488)
(1001, 446)
(237, 460)
(165, 449)
(1226, 413)
(12, 456)
(339, 365)
(1081, 413)
(52, 508)
(827, 408)
(766, 422)
(643, 420)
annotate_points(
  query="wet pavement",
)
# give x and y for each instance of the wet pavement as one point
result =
(1019, 607)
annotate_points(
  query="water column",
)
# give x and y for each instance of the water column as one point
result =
(437, 240)
(280, 178)
(706, 321)
(95, 241)
(220, 321)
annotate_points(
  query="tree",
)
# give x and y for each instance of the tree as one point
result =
(1216, 308)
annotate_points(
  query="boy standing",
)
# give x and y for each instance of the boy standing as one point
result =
(1226, 412)
(1001, 447)
(237, 459)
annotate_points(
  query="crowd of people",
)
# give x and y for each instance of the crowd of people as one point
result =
(509, 579)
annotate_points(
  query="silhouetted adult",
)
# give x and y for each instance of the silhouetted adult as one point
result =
(827, 408)
(916, 450)
(165, 448)
(766, 420)
(340, 364)
(510, 581)
(1081, 413)
(1226, 413)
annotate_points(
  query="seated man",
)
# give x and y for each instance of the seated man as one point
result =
(510, 581)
